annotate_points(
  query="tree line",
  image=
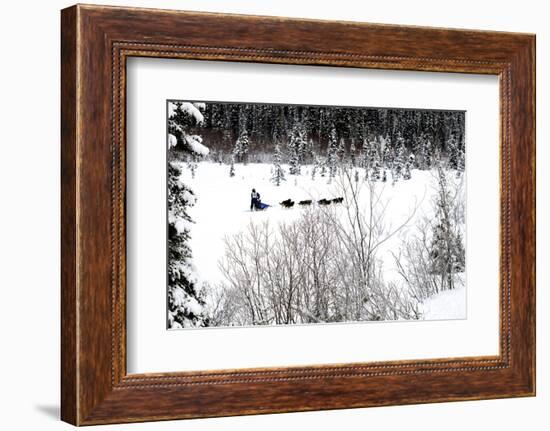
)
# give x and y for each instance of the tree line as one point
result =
(246, 132)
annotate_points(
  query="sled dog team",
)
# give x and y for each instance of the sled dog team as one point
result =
(289, 203)
(257, 204)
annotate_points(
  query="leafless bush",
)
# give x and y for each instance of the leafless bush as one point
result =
(321, 268)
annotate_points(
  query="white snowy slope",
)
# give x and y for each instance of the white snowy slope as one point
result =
(447, 305)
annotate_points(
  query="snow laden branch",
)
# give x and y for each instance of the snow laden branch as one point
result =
(186, 298)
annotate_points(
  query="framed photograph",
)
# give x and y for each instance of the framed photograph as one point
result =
(317, 215)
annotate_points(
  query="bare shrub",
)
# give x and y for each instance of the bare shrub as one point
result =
(322, 267)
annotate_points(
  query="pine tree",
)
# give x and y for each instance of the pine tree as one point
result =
(186, 304)
(388, 155)
(452, 152)
(375, 173)
(318, 167)
(323, 164)
(374, 165)
(427, 154)
(310, 151)
(446, 249)
(277, 172)
(296, 148)
(365, 154)
(399, 160)
(408, 167)
(242, 147)
(456, 156)
(332, 153)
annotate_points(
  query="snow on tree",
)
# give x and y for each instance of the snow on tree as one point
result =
(386, 156)
(185, 297)
(408, 167)
(309, 153)
(452, 152)
(399, 161)
(446, 249)
(241, 147)
(365, 154)
(322, 163)
(386, 149)
(455, 151)
(297, 145)
(426, 153)
(375, 172)
(373, 165)
(318, 167)
(277, 171)
(268, 124)
(332, 153)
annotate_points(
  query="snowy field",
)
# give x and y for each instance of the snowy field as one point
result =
(223, 208)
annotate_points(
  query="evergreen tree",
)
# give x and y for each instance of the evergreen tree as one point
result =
(446, 249)
(374, 165)
(399, 161)
(456, 155)
(186, 304)
(242, 147)
(408, 167)
(297, 146)
(309, 153)
(388, 155)
(452, 152)
(323, 164)
(375, 173)
(277, 172)
(427, 154)
(318, 167)
(332, 153)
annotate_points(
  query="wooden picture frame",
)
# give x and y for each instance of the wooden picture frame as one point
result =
(95, 43)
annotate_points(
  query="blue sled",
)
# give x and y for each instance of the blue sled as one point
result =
(262, 206)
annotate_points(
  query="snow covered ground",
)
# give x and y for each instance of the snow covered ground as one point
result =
(223, 208)
(447, 305)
